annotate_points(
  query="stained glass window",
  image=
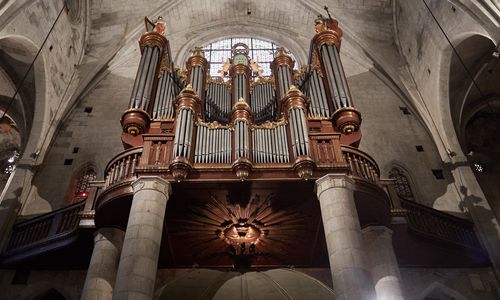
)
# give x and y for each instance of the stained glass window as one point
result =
(260, 51)
(82, 185)
(401, 183)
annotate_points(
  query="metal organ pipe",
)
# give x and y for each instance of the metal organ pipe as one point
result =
(263, 102)
(298, 131)
(165, 96)
(303, 125)
(196, 79)
(285, 79)
(148, 84)
(138, 82)
(335, 76)
(214, 145)
(270, 144)
(141, 92)
(241, 139)
(217, 102)
(240, 86)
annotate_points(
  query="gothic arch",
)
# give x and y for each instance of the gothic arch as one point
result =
(471, 46)
(402, 183)
(79, 188)
(51, 294)
(46, 291)
(437, 289)
(22, 50)
(397, 168)
(213, 32)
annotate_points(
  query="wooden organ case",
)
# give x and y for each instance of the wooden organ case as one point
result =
(242, 152)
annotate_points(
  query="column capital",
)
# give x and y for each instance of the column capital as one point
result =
(378, 230)
(109, 233)
(331, 181)
(374, 232)
(155, 183)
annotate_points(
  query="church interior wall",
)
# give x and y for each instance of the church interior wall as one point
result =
(94, 66)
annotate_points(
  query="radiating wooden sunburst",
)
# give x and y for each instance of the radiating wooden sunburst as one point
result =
(264, 229)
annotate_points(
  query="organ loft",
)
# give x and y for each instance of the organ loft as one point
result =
(249, 173)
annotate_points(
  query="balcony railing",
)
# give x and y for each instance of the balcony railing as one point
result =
(122, 166)
(47, 227)
(361, 164)
(435, 224)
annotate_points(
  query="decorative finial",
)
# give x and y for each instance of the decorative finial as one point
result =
(188, 88)
(293, 89)
(198, 51)
(319, 24)
(280, 51)
(160, 26)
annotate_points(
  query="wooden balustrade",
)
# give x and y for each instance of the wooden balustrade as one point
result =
(435, 224)
(45, 227)
(361, 165)
(122, 166)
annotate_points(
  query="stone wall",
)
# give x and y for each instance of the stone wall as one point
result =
(479, 283)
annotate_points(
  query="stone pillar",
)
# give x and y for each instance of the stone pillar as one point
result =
(141, 248)
(383, 264)
(348, 260)
(101, 274)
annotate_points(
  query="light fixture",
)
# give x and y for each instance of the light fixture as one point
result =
(496, 53)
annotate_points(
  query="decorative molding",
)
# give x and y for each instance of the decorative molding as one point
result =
(155, 183)
(331, 181)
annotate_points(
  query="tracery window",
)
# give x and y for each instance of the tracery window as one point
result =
(261, 52)
(401, 184)
(82, 184)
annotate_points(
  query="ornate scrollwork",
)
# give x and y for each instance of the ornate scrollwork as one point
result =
(270, 125)
(213, 125)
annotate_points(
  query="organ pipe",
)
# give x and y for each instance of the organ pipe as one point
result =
(197, 67)
(283, 69)
(168, 87)
(326, 46)
(270, 143)
(213, 143)
(155, 52)
(240, 77)
(263, 101)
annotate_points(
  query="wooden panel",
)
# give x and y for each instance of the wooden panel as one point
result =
(326, 150)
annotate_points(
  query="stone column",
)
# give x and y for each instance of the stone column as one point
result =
(141, 248)
(383, 264)
(101, 274)
(348, 261)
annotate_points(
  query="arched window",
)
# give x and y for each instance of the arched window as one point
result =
(260, 51)
(81, 184)
(401, 183)
(51, 294)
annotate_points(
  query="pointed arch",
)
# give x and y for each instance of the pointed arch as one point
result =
(401, 183)
(437, 290)
(50, 294)
(79, 187)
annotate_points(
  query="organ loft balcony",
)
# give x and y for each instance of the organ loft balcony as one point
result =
(244, 143)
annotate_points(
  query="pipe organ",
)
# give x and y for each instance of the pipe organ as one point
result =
(242, 121)
(213, 144)
(217, 101)
(263, 101)
(311, 83)
(168, 88)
